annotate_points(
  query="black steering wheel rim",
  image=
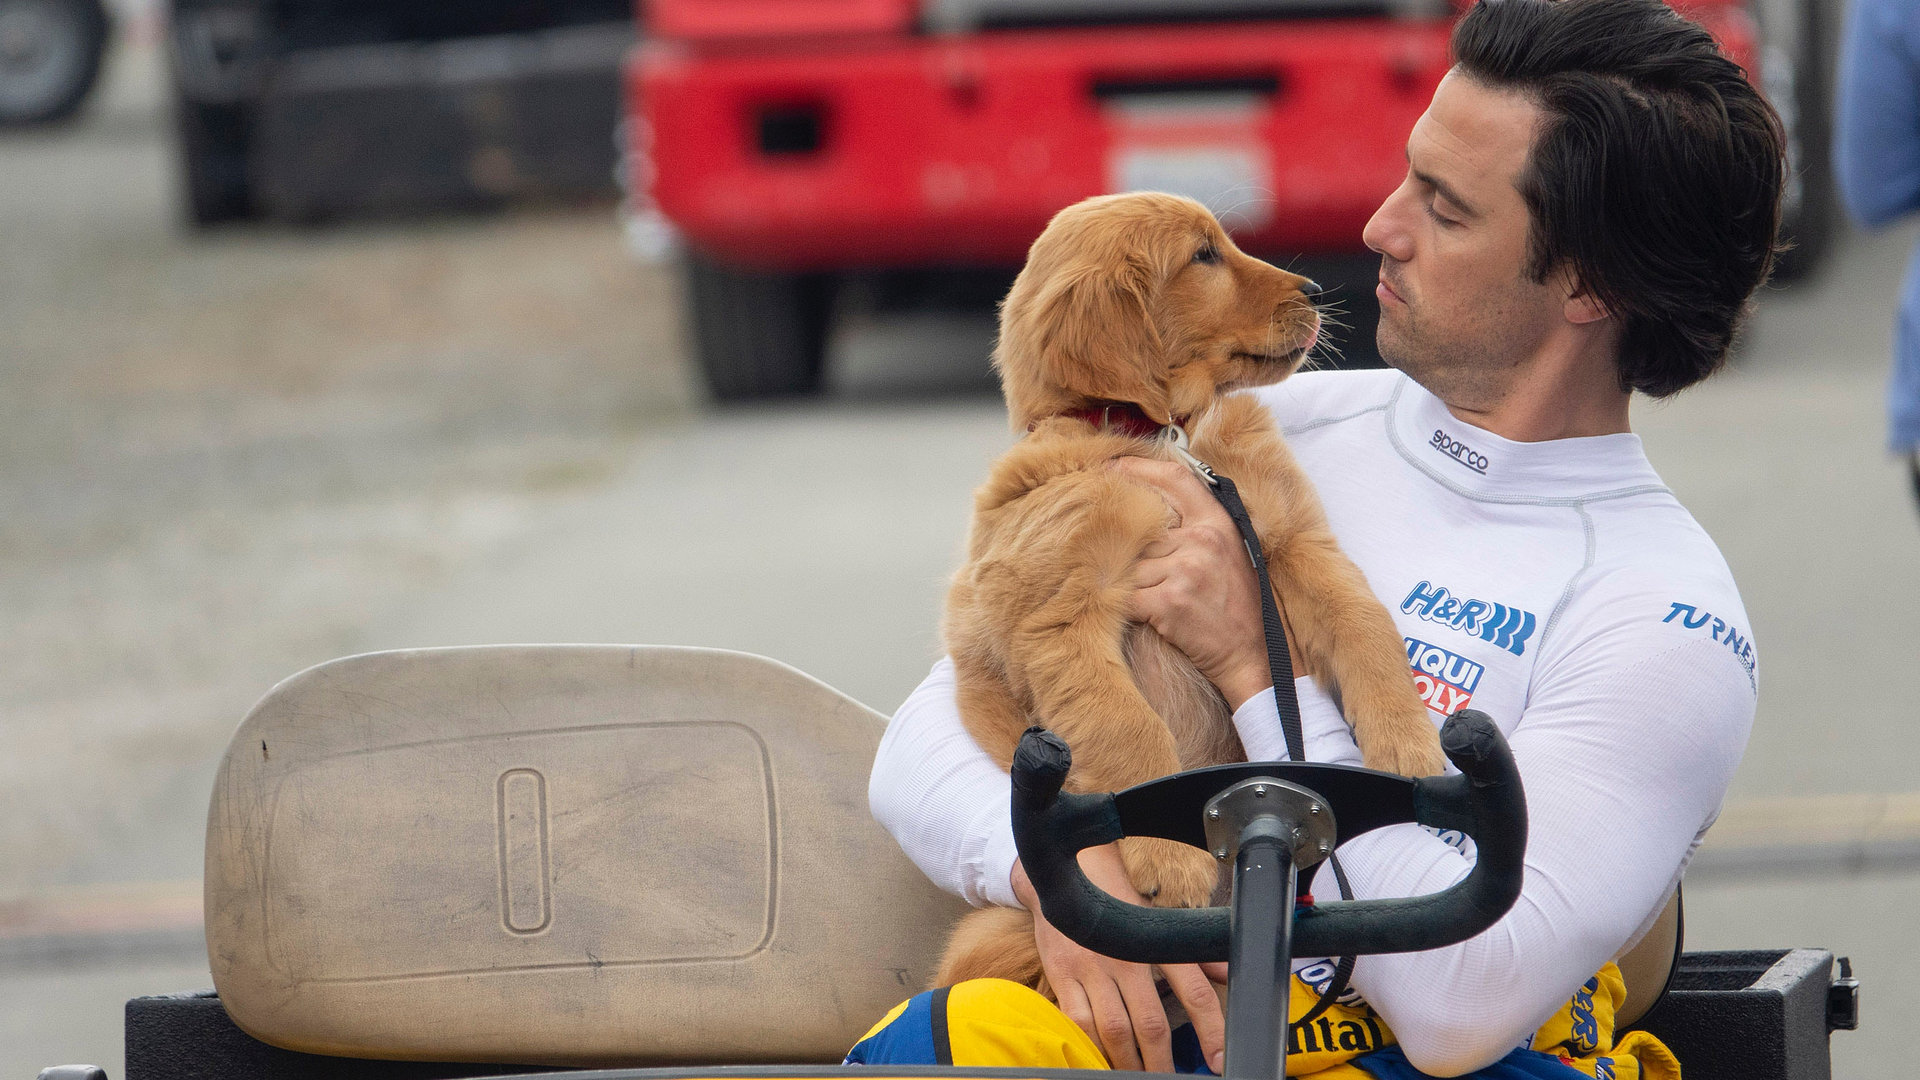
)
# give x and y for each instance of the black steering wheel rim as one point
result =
(1484, 800)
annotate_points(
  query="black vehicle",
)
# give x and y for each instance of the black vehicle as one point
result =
(311, 109)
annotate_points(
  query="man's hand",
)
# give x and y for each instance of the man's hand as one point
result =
(1115, 1002)
(1197, 588)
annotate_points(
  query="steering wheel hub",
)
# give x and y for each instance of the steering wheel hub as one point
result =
(1303, 815)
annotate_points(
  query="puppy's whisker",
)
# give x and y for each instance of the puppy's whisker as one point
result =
(1317, 358)
(1327, 348)
(1255, 194)
(1248, 187)
(1332, 314)
(1247, 200)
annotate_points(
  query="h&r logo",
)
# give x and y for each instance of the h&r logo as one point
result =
(1507, 627)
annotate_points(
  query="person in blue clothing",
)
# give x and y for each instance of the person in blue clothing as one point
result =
(1877, 160)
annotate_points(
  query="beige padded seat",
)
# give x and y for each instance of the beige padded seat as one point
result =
(560, 854)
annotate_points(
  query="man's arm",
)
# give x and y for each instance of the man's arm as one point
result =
(943, 799)
(1876, 151)
(1623, 763)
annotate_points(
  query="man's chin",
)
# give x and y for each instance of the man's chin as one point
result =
(1392, 349)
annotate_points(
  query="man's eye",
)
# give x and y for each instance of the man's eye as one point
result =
(1445, 222)
(1208, 254)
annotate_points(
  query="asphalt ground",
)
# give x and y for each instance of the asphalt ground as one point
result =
(226, 458)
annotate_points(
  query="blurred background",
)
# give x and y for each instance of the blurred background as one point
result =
(329, 326)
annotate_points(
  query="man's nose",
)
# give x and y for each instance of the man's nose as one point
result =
(1385, 233)
(1374, 234)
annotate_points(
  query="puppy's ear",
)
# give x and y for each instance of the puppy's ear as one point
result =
(1078, 333)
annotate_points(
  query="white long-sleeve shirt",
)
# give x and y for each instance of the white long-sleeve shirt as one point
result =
(1557, 586)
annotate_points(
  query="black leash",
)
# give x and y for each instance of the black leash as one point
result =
(1279, 664)
(1279, 658)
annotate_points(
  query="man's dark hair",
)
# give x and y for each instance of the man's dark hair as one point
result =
(1655, 177)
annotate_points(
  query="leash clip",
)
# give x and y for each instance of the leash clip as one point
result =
(1182, 447)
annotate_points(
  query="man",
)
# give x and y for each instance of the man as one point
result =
(1876, 153)
(1590, 199)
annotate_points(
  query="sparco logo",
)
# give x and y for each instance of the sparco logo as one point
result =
(1459, 451)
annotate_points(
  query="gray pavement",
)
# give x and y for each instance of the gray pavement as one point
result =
(229, 458)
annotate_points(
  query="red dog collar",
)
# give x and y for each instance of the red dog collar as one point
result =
(1123, 417)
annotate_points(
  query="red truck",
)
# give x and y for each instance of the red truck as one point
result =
(790, 143)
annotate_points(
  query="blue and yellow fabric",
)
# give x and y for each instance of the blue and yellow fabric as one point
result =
(983, 1022)
(990, 1022)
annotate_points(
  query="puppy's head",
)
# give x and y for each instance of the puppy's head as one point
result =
(1143, 299)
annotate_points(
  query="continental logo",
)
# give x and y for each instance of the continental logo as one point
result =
(1459, 451)
(1326, 1036)
(1503, 625)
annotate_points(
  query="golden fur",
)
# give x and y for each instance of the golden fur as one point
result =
(1143, 299)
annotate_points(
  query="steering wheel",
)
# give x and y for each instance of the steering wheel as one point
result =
(1271, 819)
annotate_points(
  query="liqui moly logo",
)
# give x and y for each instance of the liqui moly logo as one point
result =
(1446, 681)
(1507, 627)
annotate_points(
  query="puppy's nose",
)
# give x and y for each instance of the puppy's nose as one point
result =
(1309, 288)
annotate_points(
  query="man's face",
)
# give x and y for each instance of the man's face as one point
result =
(1458, 310)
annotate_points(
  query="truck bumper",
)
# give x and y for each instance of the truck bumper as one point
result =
(953, 150)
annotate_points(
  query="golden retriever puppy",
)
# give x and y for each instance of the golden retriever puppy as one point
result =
(1135, 312)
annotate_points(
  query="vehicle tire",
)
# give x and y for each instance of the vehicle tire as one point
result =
(1798, 77)
(50, 52)
(758, 335)
(213, 161)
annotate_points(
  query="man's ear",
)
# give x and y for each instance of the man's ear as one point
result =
(1095, 336)
(1582, 305)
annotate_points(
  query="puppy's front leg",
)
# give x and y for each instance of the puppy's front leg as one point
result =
(1070, 654)
(991, 713)
(1344, 631)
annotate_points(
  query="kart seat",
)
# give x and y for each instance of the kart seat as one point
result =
(566, 855)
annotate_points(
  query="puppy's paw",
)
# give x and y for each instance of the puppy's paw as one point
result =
(1170, 874)
(1403, 741)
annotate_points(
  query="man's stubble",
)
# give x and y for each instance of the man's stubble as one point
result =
(1468, 361)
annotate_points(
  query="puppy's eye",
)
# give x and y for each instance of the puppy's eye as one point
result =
(1208, 254)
